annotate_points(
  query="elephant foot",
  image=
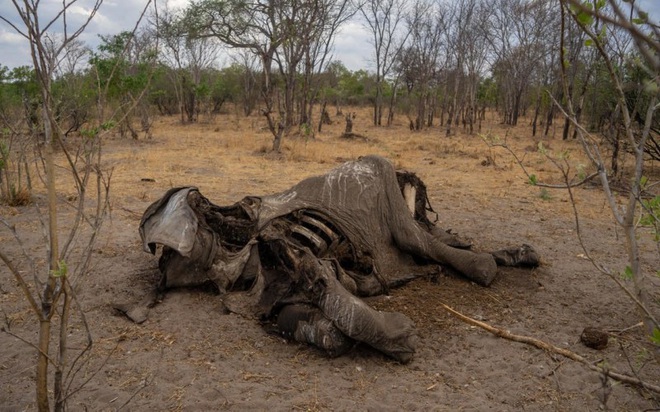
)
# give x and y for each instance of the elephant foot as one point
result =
(306, 324)
(523, 256)
(481, 269)
(478, 267)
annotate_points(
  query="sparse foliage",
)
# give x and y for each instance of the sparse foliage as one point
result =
(52, 290)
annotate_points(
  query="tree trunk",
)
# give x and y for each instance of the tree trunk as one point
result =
(349, 124)
(536, 115)
(42, 366)
(450, 115)
(548, 121)
(567, 127)
(58, 384)
(516, 108)
(615, 155)
(325, 117)
(277, 140)
(53, 264)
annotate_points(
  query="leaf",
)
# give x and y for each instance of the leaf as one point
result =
(61, 271)
(655, 337)
(584, 18)
(108, 125)
(533, 180)
(589, 42)
(627, 274)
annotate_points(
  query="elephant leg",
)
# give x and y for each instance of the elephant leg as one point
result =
(390, 332)
(306, 324)
(478, 267)
(294, 275)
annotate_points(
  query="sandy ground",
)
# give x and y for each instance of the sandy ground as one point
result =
(191, 355)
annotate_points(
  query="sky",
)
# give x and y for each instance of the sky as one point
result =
(352, 45)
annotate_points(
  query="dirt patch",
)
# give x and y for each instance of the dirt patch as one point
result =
(191, 355)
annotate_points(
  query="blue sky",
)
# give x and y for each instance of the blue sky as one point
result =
(351, 45)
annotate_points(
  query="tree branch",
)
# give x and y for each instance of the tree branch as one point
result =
(505, 334)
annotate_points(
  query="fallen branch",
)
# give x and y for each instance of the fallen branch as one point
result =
(554, 349)
(352, 136)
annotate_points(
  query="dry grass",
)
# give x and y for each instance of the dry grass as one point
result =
(229, 157)
(212, 155)
(17, 197)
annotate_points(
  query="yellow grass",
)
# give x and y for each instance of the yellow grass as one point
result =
(229, 157)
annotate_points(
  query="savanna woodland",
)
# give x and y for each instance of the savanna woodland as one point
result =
(528, 121)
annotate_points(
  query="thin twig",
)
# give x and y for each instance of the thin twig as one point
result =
(27, 342)
(554, 349)
(21, 282)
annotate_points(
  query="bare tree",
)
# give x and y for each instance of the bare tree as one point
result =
(385, 20)
(420, 63)
(518, 33)
(250, 26)
(318, 55)
(473, 48)
(249, 66)
(188, 56)
(578, 71)
(55, 287)
(277, 32)
(467, 56)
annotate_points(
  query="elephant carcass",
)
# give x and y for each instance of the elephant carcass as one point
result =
(302, 257)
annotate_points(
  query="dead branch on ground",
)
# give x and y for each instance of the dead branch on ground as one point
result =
(553, 349)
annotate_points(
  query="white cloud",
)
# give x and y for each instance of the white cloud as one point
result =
(353, 47)
(11, 38)
(14, 49)
(178, 4)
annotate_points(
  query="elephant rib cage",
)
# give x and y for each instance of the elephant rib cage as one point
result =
(315, 232)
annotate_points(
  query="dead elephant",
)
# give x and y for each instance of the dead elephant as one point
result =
(300, 259)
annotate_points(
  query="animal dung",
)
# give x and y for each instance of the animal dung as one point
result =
(594, 338)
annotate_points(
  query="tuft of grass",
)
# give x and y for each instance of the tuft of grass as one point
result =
(545, 194)
(20, 197)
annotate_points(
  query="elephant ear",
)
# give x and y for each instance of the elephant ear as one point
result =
(170, 221)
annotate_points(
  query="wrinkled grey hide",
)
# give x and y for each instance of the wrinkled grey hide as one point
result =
(302, 257)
